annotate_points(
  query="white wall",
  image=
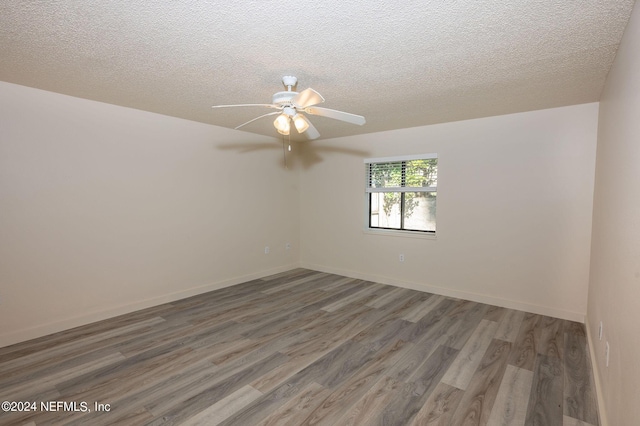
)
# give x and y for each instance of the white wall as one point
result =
(614, 291)
(105, 210)
(513, 210)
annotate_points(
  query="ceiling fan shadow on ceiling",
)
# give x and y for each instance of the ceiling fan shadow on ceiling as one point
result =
(290, 107)
(307, 157)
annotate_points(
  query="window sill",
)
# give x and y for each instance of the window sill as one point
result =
(406, 234)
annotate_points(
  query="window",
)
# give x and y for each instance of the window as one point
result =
(401, 192)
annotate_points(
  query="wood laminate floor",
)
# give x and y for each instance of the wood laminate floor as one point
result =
(307, 348)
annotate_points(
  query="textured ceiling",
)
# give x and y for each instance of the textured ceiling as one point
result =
(400, 64)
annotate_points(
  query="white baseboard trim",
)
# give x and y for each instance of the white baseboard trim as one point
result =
(602, 412)
(25, 334)
(474, 297)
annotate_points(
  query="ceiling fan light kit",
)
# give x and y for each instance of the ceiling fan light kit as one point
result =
(301, 123)
(281, 124)
(291, 105)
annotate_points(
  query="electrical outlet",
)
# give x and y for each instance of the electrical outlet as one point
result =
(600, 331)
(266, 250)
(606, 354)
(287, 246)
(401, 257)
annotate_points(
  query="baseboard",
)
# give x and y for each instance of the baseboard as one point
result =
(25, 334)
(474, 297)
(602, 412)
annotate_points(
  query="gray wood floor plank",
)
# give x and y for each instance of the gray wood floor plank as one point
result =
(128, 369)
(18, 390)
(331, 369)
(134, 417)
(465, 326)
(423, 308)
(283, 323)
(264, 406)
(399, 307)
(350, 299)
(55, 355)
(225, 312)
(570, 421)
(293, 283)
(341, 292)
(387, 298)
(223, 308)
(271, 310)
(510, 326)
(470, 356)
(251, 350)
(350, 391)
(189, 381)
(439, 407)
(203, 400)
(339, 369)
(112, 389)
(381, 333)
(551, 340)
(288, 275)
(417, 354)
(575, 328)
(479, 397)
(525, 347)
(337, 319)
(369, 408)
(495, 313)
(546, 398)
(303, 355)
(510, 408)
(461, 308)
(339, 282)
(294, 411)
(428, 374)
(19, 418)
(424, 327)
(579, 396)
(307, 347)
(224, 408)
(188, 335)
(401, 298)
(52, 341)
(293, 385)
(410, 398)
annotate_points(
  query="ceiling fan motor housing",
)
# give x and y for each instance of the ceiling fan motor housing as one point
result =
(283, 98)
(293, 112)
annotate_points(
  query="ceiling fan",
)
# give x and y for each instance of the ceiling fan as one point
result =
(290, 107)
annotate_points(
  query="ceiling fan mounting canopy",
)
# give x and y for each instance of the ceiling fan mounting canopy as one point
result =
(291, 105)
(289, 81)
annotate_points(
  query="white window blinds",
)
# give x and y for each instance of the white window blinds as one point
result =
(402, 174)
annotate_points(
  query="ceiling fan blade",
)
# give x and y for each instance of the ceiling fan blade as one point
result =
(338, 115)
(246, 105)
(257, 118)
(307, 98)
(312, 133)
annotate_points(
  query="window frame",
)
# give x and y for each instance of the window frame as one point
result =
(369, 191)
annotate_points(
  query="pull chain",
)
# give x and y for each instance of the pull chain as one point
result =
(284, 150)
(284, 154)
